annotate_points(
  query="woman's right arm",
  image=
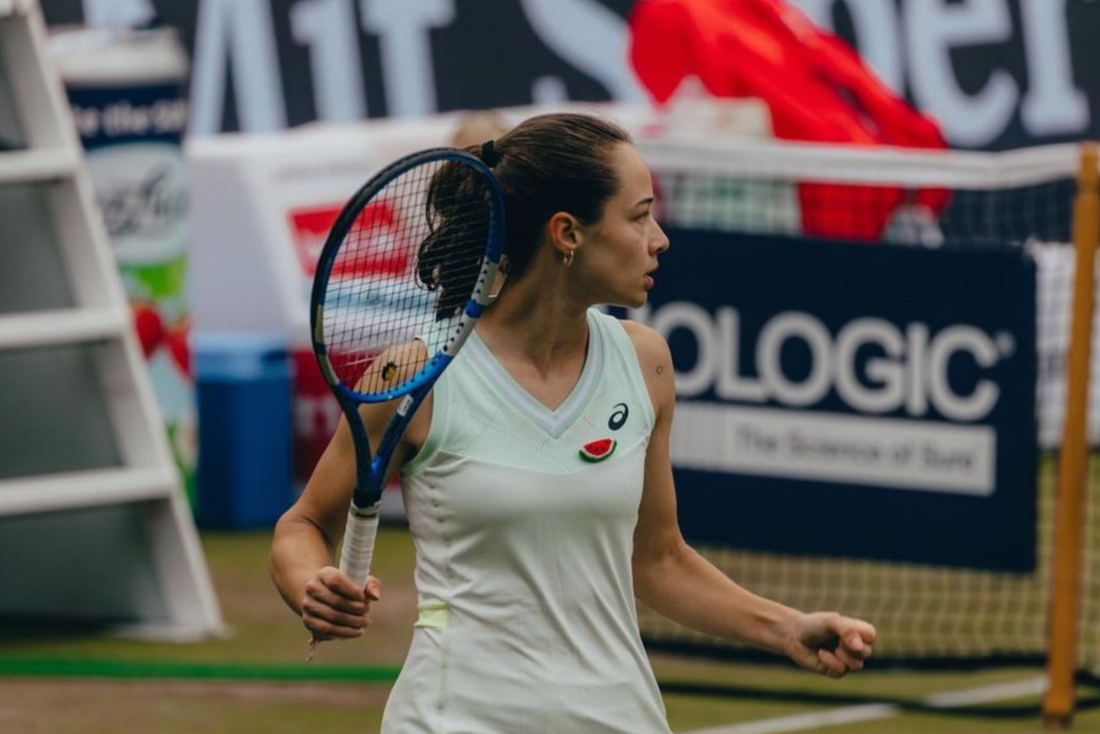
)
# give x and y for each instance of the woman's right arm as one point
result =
(305, 539)
(306, 536)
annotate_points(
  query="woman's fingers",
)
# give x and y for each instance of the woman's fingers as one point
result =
(832, 644)
(339, 583)
(856, 646)
(830, 664)
(850, 661)
(334, 607)
(322, 629)
(320, 610)
(326, 621)
(319, 592)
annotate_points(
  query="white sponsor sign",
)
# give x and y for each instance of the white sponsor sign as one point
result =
(911, 374)
(833, 447)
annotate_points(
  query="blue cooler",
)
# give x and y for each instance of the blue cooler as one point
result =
(244, 386)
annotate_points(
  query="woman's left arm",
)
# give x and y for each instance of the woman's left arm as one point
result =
(677, 582)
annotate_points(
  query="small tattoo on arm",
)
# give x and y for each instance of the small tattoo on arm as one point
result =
(660, 369)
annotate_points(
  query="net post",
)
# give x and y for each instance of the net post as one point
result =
(1065, 600)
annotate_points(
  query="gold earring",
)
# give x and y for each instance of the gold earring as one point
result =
(567, 259)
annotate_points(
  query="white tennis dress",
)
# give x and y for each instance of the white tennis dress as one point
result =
(527, 617)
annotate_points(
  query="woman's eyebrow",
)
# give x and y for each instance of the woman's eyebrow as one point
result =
(647, 200)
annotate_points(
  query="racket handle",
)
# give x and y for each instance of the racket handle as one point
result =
(355, 556)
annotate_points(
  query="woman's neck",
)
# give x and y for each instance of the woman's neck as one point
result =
(536, 320)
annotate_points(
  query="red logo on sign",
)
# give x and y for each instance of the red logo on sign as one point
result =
(378, 227)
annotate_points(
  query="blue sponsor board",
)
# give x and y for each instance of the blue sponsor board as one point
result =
(110, 113)
(853, 400)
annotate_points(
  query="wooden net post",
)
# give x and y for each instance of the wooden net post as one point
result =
(1065, 599)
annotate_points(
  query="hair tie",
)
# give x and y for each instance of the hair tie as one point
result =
(488, 154)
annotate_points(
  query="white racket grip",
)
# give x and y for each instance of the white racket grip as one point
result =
(355, 556)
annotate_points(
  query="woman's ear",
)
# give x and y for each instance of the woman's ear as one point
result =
(565, 232)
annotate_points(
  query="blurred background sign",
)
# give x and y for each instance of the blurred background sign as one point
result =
(995, 74)
(128, 95)
(841, 400)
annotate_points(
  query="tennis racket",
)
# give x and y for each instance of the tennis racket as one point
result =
(403, 277)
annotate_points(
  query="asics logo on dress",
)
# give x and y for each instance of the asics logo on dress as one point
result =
(618, 418)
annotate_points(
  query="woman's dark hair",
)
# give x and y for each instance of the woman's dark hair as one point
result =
(449, 259)
(547, 164)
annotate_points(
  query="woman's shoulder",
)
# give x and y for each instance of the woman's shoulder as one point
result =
(651, 347)
(654, 359)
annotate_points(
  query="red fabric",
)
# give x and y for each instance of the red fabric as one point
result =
(815, 86)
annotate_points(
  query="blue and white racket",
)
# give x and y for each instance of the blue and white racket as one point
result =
(403, 277)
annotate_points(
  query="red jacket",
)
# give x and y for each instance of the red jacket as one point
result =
(815, 86)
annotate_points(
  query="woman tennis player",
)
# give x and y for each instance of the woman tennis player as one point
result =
(537, 480)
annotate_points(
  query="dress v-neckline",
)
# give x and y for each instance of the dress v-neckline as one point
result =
(554, 422)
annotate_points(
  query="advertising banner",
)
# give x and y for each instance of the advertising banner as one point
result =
(852, 400)
(996, 74)
(128, 96)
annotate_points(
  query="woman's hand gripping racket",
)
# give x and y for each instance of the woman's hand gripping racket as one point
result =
(403, 277)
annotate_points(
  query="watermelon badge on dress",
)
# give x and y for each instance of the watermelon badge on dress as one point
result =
(598, 450)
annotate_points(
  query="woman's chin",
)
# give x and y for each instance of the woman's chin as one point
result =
(636, 299)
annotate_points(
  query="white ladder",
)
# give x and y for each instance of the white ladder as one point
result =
(93, 522)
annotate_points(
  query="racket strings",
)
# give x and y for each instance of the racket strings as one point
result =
(402, 274)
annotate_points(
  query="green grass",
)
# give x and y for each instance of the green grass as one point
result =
(262, 628)
(174, 692)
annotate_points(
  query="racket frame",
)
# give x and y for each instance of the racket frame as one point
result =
(370, 470)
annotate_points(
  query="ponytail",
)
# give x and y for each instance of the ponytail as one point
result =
(547, 164)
